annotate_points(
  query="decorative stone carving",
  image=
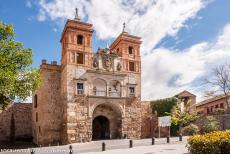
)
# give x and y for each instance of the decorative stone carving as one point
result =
(106, 62)
(119, 66)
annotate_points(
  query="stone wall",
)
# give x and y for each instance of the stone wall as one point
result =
(131, 122)
(148, 120)
(78, 123)
(22, 116)
(47, 116)
(224, 121)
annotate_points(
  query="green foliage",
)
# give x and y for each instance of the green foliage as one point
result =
(219, 111)
(163, 106)
(182, 118)
(174, 129)
(214, 143)
(210, 124)
(17, 78)
(191, 129)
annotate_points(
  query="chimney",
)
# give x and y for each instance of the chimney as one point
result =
(43, 61)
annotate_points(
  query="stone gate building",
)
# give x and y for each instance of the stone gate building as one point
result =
(90, 95)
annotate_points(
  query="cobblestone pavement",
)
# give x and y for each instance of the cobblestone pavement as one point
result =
(142, 146)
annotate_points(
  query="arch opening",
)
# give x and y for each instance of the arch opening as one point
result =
(101, 128)
(107, 122)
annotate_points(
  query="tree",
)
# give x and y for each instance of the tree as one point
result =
(221, 81)
(163, 106)
(182, 119)
(17, 78)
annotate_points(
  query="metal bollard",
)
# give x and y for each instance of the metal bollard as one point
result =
(168, 139)
(180, 137)
(153, 141)
(130, 143)
(103, 146)
(32, 151)
(70, 149)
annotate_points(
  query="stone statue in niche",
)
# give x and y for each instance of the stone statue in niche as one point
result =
(119, 66)
(95, 62)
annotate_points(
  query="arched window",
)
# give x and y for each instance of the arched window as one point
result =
(36, 117)
(80, 58)
(131, 66)
(80, 39)
(99, 87)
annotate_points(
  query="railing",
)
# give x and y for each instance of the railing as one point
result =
(131, 94)
(80, 91)
(99, 93)
(114, 94)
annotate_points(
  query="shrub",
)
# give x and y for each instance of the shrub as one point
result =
(210, 124)
(219, 111)
(190, 129)
(213, 143)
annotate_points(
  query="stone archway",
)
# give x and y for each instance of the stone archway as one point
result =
(106, 122)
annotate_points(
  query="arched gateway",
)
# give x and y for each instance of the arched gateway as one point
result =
(91, 95)
(106, 122)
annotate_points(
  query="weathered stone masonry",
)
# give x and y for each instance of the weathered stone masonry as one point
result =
(90, 96)
(23, 122)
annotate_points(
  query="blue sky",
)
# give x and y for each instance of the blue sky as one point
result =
(171, 31)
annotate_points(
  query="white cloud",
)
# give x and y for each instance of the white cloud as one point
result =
(173, 71)
(150, 19)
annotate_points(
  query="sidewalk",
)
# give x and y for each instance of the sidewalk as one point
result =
(142, 146)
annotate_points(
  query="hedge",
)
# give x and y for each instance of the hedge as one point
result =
(217, 142)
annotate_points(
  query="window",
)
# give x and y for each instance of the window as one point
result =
(80, 39)
(216, 106)
(130, 50)
(211, 109)
(80, 58)
(131, 91)
(39, 129)
(36, 117)
(208, 110)
(131, 66)
(222, 105)
(35, 101)
(80, 88)
(117, 50)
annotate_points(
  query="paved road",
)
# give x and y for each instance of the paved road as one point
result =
(115, 146)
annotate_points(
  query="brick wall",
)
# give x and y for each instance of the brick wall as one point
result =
(148, 120)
